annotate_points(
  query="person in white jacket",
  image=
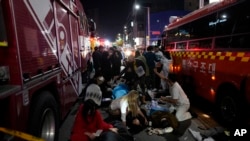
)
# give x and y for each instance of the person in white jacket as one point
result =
(166, 62)
(178, 98)
(128, 104)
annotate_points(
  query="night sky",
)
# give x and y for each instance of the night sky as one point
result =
(112, 15)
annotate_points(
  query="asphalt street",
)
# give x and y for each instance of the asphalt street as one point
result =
(202, 122)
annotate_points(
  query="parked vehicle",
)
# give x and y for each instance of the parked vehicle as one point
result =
(43, 45)
(210, 50)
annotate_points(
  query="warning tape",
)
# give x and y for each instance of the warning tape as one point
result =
(21, 135)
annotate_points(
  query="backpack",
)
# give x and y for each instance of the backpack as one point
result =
(143, 59)
(119, 91)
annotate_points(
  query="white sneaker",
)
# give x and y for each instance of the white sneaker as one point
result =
(209, 139)
(168, 130)
(196, 135)
(154, 90)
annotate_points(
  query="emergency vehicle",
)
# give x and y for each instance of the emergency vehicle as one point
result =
(43, 45)
(210, 51)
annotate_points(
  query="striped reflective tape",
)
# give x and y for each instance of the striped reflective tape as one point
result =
(230, 56)
(21, 135)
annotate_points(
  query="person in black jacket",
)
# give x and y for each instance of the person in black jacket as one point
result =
(137, 69)
(116, 59)
(106, 65)
(97, 57)
(151, 61)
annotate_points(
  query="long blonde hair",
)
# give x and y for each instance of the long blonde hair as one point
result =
(132, 97)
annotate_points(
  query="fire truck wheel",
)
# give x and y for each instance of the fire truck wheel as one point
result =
(44, 121)
(229, 107)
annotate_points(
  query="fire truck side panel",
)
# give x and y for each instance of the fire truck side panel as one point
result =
(43, 57)
(66, 2)
(66, 54)
(37, 55)
(76, 79)
(8, 55)
(247, 88)
(209, 69)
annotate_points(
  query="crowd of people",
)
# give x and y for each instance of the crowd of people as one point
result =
(143, 71)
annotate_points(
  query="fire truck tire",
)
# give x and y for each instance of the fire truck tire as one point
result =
(228, 107)
(44, 117)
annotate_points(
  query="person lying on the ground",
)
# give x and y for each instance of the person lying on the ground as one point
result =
(178, 98)
(129, 104)
(119, 91)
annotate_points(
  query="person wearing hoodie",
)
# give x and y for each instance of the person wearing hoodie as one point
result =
(89, 124)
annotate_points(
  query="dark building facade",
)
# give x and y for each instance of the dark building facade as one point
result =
(160, 11)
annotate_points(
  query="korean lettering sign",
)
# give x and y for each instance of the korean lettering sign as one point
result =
(199, 66)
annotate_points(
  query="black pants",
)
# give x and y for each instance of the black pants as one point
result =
(150, 80)
(122, 130)
(141, 82)
(158, 79)
(110, 136)
(134, 129)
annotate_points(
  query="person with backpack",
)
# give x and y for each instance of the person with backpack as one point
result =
(141, 70)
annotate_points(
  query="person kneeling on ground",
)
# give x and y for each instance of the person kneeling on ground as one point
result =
(131, 114)
(89, 124)
(178, 98)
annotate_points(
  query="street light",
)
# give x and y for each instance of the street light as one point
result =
(148, 18)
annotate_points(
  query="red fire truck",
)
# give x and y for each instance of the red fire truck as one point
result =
(42, 45)
(210, 50)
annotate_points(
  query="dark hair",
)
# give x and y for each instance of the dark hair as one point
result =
(149, 48)
(137, 53)
(172, 77)
(164, 123)
(89, 108)
(96, 48)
